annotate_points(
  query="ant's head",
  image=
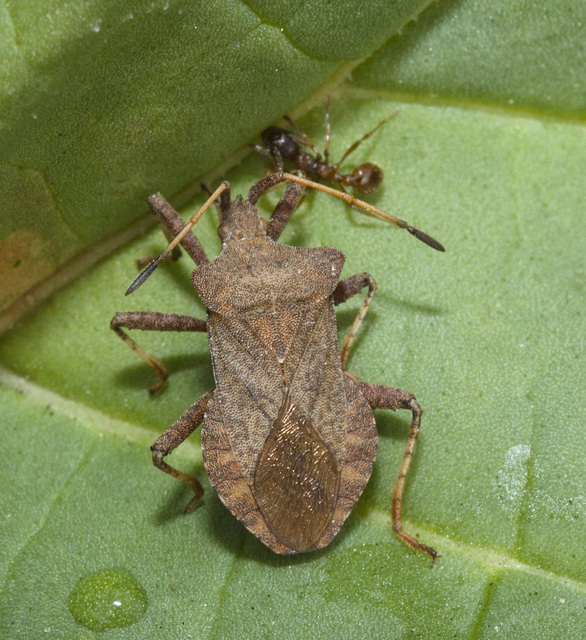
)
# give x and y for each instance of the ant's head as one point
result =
(281, 141)
(367, 177)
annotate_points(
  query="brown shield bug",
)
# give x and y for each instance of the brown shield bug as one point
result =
(282, 145)
(288, 436)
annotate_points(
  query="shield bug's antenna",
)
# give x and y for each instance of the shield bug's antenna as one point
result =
(143, 276)
(352, 200)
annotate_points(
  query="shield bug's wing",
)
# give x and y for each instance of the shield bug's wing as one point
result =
(296, 480)
(250, 436)
(248, 387)
(314, 373)
(258, 345)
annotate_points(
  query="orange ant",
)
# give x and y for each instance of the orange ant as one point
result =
(283, 145)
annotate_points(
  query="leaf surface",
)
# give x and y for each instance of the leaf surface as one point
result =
(489, 336)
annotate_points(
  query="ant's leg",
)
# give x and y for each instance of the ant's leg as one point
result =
(153, 321)
(346, 289)
(383, 397)
(302, 137)
(328, 133)
(274, 157)
(177, 433)
(173, 223)
(356, 144)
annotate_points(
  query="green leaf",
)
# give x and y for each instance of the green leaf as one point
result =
(487, 335)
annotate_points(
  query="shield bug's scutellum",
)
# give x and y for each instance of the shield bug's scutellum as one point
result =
(288, 435)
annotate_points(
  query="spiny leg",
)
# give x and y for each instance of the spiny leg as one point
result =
(170, 220)
(177, 433)
(346, 289)
(153, 321)
(383, 397)
(284, 209)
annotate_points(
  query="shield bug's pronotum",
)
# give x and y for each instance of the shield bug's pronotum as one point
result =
(282, 145)
(288, 435)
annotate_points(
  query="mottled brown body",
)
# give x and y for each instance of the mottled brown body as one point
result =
(283, 416)
(288, 438)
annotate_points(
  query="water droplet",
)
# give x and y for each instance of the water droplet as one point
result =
(108, 599)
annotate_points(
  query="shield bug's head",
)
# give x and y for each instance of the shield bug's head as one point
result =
(240, 221)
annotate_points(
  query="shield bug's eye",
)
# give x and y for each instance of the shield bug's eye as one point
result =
(263, 226)
(223, 231)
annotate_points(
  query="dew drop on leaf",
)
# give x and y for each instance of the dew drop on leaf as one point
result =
(108, 599)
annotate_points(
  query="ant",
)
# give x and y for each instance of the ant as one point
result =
(282, 144)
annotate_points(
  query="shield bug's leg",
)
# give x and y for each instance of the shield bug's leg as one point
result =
(153, 321)
(383, 397)
(284, 209)
(286, 205)
(177, 433)
(346, 289)
(174, 223)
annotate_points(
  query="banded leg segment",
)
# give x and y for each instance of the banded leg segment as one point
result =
(346, 289)
(177, 433)
(383, 397)
(153, 321)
